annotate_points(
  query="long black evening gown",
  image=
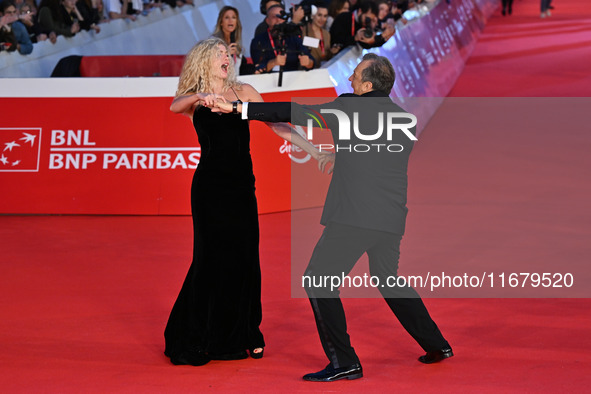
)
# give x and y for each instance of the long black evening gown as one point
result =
(218, 310)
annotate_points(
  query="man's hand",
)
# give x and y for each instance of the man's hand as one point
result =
(298, 14)
(224, 107)
(8, 19)
(280, 60)
(305, 61)
(26, 19)
(389, 30)
(359, 36)
(336, 48)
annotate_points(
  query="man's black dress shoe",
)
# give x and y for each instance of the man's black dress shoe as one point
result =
(436, 356)
(330, 374)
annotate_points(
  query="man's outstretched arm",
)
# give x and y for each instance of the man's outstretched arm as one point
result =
(266, 112)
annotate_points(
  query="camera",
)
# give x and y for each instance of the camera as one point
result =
(289, 29)
(283, 30)
(308, 11)
(368, 30)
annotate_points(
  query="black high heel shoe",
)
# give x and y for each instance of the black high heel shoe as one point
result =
(229, 356)
(190, 357)
(257, 355)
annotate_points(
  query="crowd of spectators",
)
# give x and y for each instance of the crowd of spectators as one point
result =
(25, 22)
(300, 37)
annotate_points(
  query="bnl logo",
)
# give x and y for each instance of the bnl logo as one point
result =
(20, 149)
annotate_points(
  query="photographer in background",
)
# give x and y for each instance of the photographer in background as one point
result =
(280, 45)
(360, 27)
(297, 14)
(265, 5)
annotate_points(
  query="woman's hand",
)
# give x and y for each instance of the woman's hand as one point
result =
(186, 104)
(233, 49)
(75, 28)
(210, 99)
(324, 159)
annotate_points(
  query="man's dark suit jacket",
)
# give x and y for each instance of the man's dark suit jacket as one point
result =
(367, 189)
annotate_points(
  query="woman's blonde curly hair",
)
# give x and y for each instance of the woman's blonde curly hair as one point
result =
(197, 73)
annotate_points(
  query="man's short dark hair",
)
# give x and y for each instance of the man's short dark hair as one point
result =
(263, 5)
(379, 72)
(368, 5)
(275, 9)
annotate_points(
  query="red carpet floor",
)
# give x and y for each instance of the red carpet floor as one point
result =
(522, 55)
(85, 299)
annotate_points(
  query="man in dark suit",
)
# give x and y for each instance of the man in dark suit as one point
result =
(365, 210)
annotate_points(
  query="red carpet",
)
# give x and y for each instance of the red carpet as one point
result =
(522, 55)
(85, 299)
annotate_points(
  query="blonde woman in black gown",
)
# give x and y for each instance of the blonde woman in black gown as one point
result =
(218, 311)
